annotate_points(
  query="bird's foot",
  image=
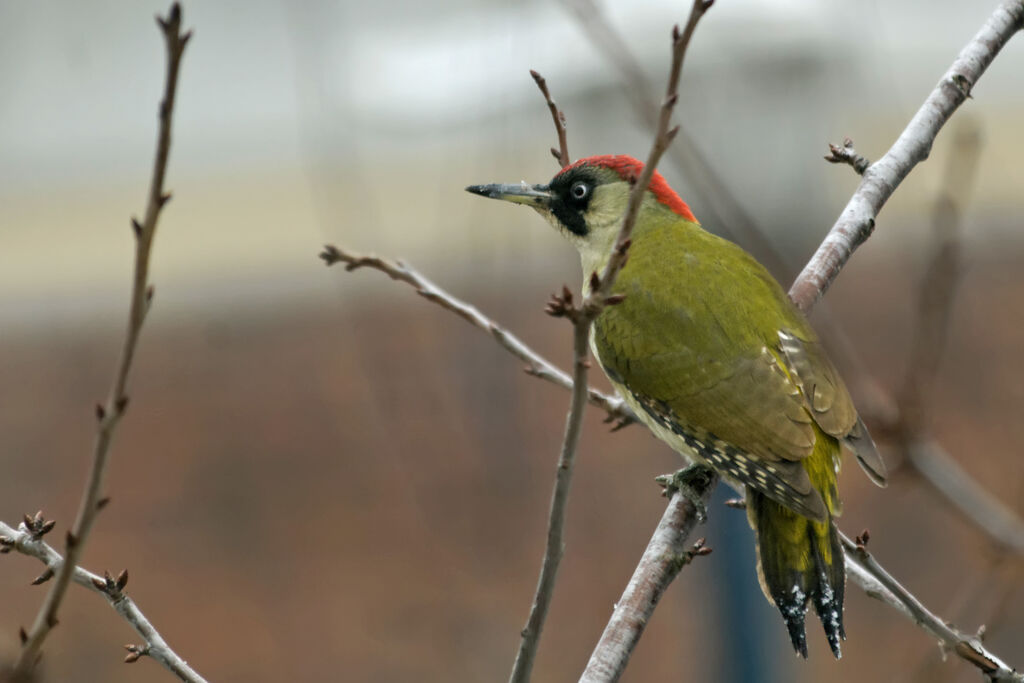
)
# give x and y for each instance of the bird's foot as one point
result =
(692, 483)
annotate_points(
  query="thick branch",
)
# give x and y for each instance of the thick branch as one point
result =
(881, 179)
(110, 413)
(155, 646)
(664, 558)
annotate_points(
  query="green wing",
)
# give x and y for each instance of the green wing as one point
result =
(699, 334)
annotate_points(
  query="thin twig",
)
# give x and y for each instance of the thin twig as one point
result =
(110, 413)
(555, 546)
(880, 180)
(614, 407)
(880, 584)
(26, 543)
(598, 296)
(847, 155)
(918, 136)
(558, 116)
(664, 558)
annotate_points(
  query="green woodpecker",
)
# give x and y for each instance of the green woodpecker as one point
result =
(714, 358)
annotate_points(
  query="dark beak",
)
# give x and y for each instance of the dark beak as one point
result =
(537, 196)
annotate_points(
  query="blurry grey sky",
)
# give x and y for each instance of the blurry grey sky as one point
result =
(299, 123)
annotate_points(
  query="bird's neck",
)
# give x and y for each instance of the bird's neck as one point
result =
(596, 250)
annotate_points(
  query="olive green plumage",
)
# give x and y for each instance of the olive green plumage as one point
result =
(713, 356)
(696, 343)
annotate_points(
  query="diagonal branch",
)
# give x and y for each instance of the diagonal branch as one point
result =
(27, 543)
(664, 558)
(880, 180)
(110, 413)
(880, 584)
(616, 409)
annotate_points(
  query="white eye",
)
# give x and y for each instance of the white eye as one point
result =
(579, 190)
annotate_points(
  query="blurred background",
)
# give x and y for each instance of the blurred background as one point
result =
(323, 477)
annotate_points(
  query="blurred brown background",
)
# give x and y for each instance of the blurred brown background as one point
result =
(323, 477)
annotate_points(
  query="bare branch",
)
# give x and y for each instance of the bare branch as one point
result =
(110, 413)
(847, 155)
(879, 584)
(616, 409)
(562, 153)
(857, 220)
(555, 547)
(664, 558)
(25, 542)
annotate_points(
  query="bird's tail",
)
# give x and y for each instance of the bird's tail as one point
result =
(800, 561)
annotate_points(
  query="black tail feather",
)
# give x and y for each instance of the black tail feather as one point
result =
(793, 607)
(827, 595)
(794, 572)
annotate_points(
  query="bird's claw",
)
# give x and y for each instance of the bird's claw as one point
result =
(691, 482)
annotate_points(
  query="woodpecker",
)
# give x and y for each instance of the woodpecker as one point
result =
(712, 356)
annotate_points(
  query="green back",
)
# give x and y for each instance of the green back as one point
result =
(698, 332)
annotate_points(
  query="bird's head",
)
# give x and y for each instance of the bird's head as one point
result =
(585, 201)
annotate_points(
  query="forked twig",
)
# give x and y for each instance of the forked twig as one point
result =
(25, 542)
(558, 116)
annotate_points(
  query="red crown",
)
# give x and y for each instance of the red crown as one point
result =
(629, 169)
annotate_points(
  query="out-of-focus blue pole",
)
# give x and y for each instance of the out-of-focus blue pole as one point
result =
(749, 649)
